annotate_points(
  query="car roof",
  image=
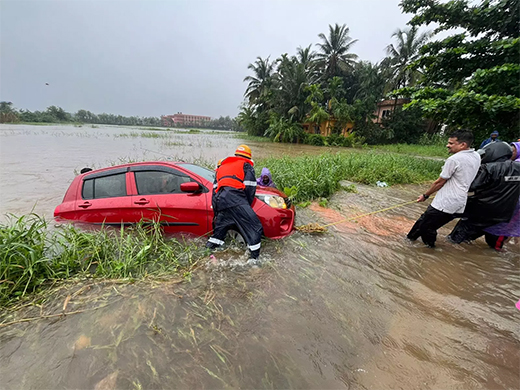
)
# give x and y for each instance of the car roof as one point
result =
(134, 165)
(121, 167)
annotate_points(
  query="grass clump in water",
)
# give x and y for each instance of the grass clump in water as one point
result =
(32, 258)
(143, 134)
(319, 176)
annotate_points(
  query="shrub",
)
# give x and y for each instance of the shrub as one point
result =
(315, 139)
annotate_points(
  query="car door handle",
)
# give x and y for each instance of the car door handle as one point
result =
(85, 205)
(142, 201)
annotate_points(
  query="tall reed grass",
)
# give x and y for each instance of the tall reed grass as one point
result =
(32, 257)
(319, 176)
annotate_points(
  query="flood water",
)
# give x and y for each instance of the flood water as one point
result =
(358, 307)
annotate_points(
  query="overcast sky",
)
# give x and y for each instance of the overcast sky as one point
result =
(149, 58)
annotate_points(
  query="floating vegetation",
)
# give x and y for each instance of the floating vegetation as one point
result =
(311, 228)
(172, 143)
(143, 134)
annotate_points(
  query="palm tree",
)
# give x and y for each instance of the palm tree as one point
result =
(293, 76)
(261, 83)
(335, 58)
(370, 80)
(306, 57)
(404, 53)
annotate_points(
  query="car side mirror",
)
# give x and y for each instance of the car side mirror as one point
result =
(191, 187)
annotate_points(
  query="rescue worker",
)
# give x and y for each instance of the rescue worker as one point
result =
(234, 193)
(496, 192)
(213, 197)
(265, 179)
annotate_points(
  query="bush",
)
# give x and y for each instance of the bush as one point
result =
(315, 139)
(433, 139)
(335, 140)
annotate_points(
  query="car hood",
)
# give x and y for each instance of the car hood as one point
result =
(270, 191)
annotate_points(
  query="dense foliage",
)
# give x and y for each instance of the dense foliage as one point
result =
(471, 78)
(329, 86)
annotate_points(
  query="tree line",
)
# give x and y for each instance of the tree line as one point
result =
(54, 114)
(469, 79)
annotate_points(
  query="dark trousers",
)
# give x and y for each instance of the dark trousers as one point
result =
(466, 230)
(242, 218)
(427, 225)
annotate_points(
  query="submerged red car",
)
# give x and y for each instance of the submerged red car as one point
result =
(178, 195)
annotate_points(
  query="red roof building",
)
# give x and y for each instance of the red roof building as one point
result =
(181, 119)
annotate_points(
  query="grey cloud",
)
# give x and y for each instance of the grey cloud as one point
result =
(149, 58)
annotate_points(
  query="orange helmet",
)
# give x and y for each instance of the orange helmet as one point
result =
(219, 163)
(244, 151)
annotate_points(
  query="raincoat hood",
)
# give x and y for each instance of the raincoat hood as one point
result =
(495, 152)
(267, 173)
(517, 147)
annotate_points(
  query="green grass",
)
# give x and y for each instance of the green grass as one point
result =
(32, 258)
(415, 150)
(319, 176)
(254, 138)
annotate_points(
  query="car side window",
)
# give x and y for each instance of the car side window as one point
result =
(159, 182)
(105, 187)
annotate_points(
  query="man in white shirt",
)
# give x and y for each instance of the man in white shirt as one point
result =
(457, 174)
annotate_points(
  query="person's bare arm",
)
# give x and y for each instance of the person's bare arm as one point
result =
(436, 186)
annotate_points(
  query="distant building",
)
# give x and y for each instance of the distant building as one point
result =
(325, 128)
(385, 108)
(181, 119)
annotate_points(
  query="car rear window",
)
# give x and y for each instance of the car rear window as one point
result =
(159, 182)
(104, 187)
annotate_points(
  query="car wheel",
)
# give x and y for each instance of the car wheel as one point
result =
(234, 238)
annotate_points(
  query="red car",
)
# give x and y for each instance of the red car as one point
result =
(176, 194)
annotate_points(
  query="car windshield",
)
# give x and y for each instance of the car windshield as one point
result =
(201, 171)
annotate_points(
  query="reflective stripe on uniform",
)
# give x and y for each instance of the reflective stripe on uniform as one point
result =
(254, 247)
(250, 183)
(217, 241)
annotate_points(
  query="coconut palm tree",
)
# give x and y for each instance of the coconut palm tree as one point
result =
(404, 53)
(293, 76)
(306, 57)
(334, 57)
(260, 84)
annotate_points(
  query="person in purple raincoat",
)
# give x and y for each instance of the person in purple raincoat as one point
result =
(265, 179)
(502, 231)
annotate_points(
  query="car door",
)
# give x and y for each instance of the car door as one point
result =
(103, 198)
(158, 197)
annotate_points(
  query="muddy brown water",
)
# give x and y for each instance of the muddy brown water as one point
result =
(358, 307)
